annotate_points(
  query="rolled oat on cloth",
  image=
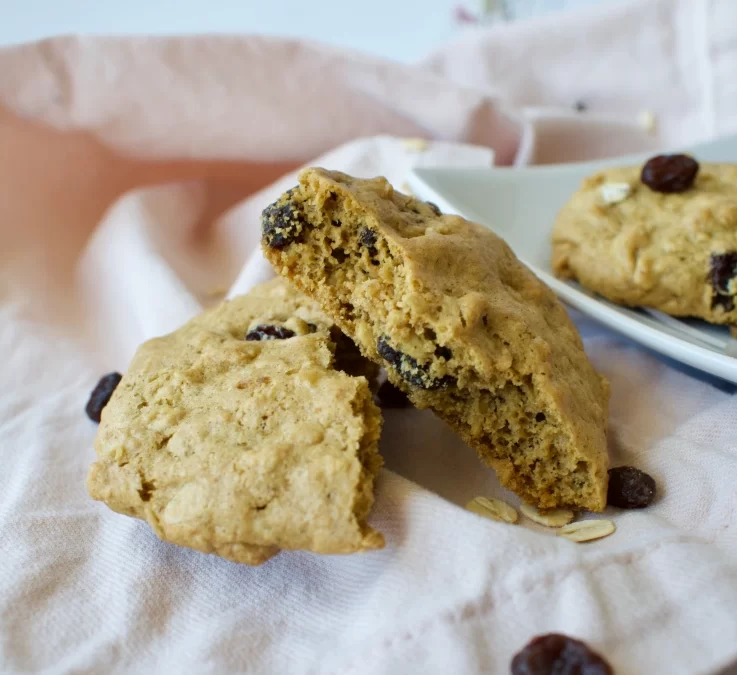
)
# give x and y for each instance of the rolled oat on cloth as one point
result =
(132, 175)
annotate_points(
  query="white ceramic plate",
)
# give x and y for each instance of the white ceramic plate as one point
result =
(520, 205)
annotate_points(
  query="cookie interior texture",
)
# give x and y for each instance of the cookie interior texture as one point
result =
(674, 252)
(244, 447)
(461, 325)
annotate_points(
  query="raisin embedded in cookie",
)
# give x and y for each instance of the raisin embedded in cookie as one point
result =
(460, 325)
(244, 446)
(669, 243)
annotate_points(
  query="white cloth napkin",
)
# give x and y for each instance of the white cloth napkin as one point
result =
(84, 590)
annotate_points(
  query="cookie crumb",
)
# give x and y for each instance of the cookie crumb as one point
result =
(548, 518)
(587, 530)
(613, 193)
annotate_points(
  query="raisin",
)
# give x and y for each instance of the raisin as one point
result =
(434, 208)
(367, 237)
(556, 654)
(390, 396)
(269, 332)
(669, 173)
(101, 395)
(409, 369)
(630, 488)
(282, 224)
(723, 270)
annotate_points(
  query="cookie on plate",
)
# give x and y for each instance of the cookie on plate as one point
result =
(236, 435)
(460, 324)
(670, 245)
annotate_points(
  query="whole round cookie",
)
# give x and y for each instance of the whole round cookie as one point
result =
(662, 236)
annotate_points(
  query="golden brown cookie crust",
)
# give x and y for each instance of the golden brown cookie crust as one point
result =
(652, 249)
(242, 448)
(461, 325)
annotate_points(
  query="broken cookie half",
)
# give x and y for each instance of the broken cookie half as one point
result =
(460, 324)
(237, 434)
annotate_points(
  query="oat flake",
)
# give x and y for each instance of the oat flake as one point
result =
(492, 508)
(587, 530)
(549, 518)
(613, 193)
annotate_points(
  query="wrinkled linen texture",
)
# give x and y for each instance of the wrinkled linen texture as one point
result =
(132, 175)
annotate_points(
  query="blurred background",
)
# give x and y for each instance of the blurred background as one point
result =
(402, 30)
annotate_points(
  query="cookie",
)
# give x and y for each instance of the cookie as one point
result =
(460, 324)
(674, 250)
(236, 435)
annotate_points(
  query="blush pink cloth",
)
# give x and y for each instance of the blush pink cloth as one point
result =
(132, 174)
